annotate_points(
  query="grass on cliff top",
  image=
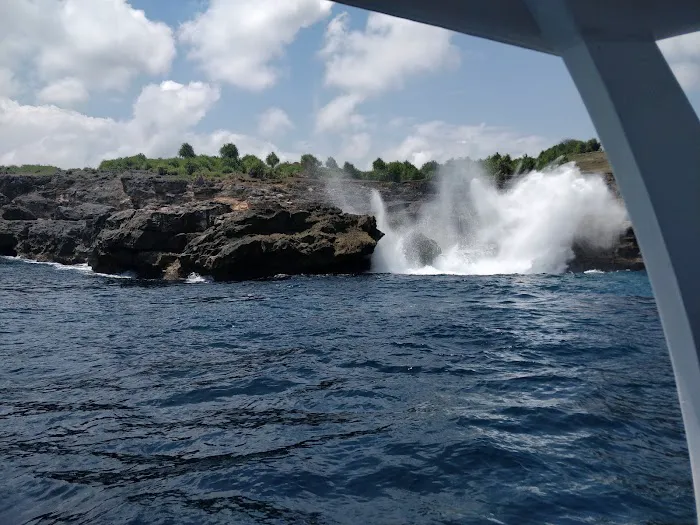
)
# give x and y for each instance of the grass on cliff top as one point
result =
(593, 162)
(29, 169)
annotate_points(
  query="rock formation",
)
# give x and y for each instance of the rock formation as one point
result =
(158, 227)
(420, 250)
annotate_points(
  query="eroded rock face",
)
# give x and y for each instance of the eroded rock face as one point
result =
(625, 256)
(144, 190)
(268, 242)
(159, 227)
(233, 228)
(147, 241)
(66, 242)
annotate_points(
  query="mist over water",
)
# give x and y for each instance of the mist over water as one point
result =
(528, 227)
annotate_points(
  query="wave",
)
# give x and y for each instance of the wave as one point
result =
(83, 268)
(195, 278)
(472, 227)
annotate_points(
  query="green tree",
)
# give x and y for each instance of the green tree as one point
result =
(395, 171)
(186, 151)
(379, 165)
(410, 172)
(351, 170)
(491, 163)
(593, 145)
(331, 163)
(527, 164)
(229, 151)
(272, 160)
(429, 169)
(190, 167)
(310, 164)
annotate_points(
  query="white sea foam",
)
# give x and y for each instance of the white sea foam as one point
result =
(530, 226)
(195, 278)
(82, 268)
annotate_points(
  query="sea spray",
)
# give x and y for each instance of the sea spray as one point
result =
(83, 268)
(530, 226)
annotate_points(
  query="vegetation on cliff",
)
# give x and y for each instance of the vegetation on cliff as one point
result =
(229, 161)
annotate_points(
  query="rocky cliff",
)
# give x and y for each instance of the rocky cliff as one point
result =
(159, 227)
(626, 255)
(231, 229)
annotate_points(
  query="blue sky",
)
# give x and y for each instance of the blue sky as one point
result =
(331, 80)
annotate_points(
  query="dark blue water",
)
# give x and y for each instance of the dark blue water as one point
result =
(363, 400)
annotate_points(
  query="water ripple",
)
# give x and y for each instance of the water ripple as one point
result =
(376, 399)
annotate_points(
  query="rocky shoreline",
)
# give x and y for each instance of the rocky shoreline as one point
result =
(159, 227)
(232, 229)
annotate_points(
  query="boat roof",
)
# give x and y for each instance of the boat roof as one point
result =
(510, 21)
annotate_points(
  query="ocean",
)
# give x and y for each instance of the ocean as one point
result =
(392, 399)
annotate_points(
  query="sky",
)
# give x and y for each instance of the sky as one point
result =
(85, 80)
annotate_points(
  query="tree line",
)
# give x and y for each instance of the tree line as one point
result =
(229, 161)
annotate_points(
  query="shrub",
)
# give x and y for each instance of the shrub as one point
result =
(253, 166)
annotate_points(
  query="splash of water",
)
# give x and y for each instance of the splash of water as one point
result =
(83, 268)
(195, 278)
(529, 227)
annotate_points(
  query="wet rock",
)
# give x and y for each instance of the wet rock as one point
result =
(421, 250)
(624, 256)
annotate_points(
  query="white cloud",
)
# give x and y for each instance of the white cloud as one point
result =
(385, 54)
(683, 55)
(170, 105)
(102, 44)
(64, 92)
(8, 84)
(440, 141)
(164, 116)
(50, 135)
(274, 121)
(355, 147)
(238, 42)
(340, 114)
(382, 57)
